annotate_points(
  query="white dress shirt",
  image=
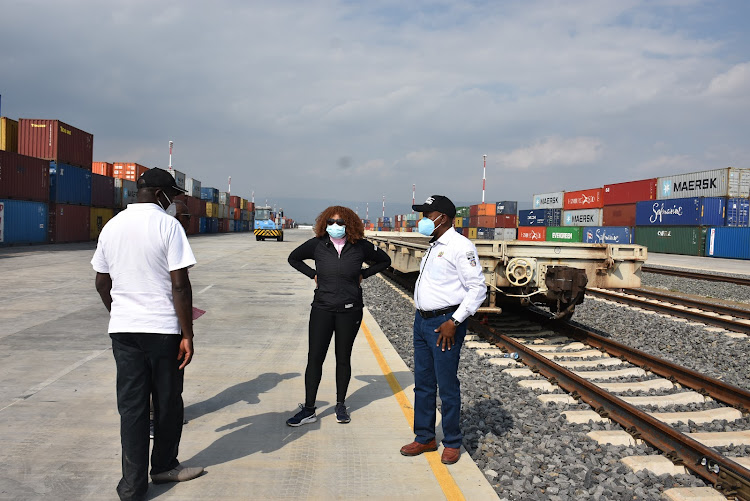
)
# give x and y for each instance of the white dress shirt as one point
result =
(450, 274)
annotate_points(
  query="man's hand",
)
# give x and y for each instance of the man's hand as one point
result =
(446, 334)
(185, 353)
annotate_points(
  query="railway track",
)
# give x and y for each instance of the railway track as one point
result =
(696, 275)
(726, 317)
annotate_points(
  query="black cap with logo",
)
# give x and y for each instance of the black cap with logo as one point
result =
(437, 203)
(159, 178)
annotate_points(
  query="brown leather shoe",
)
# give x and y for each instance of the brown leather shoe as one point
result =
(415, 448)
(450, 455)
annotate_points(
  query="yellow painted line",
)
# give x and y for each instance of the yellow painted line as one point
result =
(443, 476)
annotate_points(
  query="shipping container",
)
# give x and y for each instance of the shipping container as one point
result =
(103, 169)
(465, 231)
(234, 213)
(681, 212)
(485, 233)
(212, 225)
(8, 135)
(608, 235)
(458, 222)
(68, 223)
(630, 192)
(481, 221)
(193, 187)
(244, 215)
(463, 211)
(102, 191)
(564, 234)
(473, 233)
(506, 208)
(738, 212)
(251, 206)
(532, 233)
(618, 215)
(505, 233)
(23, 222)
(69, 185)
(732, 243)
(582, 217)
(506, 221)
(179, 177)
(548, 200)
(128, 170)
(224, 198)
(126, 192)
(98, 217)
(540, 217)
(23, 178)
(234, 201)
(729, 182)
(210, 194)
(583, 199)
(56, 141)
(212, 210)
(687, 240)
(203, 225)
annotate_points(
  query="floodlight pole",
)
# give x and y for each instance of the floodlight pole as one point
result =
(171, 143)
(413, 194)
(484, 175)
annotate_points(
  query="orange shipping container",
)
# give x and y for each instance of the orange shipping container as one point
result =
(128, 170)
(103, 168)
(583, 199)
(486, 210)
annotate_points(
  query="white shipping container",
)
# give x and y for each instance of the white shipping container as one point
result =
(729, 182)
(224, 197)
(193, 187)
(583, 217)
(179, 178)
(223, 211)
(126, 192)
(548, 200)
(505, 233)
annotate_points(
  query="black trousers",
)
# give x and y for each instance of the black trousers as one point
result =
(147, 367)
(322, 326)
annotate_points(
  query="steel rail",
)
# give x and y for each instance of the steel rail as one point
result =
(700, 316)
(696, 275)
(692, 303)
(727, 476)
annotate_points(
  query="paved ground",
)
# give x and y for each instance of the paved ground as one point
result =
(58, 418)
(702, 264)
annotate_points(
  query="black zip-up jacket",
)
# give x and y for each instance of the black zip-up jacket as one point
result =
(338, 277)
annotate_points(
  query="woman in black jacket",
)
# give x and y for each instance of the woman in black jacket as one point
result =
(339, 250)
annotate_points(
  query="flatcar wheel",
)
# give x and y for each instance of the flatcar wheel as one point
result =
(257, 237)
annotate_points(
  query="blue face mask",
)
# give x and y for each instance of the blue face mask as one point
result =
(336, 231)
(426, 226)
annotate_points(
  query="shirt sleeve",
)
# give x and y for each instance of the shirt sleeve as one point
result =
(179, 253)
(378, 255)
(98, 262)
(470, 274)
(304, 251)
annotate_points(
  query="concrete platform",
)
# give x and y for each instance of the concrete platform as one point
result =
(59, 427)
(700, 264)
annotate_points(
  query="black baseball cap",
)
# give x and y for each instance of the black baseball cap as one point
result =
(437, 203)
(158, 178)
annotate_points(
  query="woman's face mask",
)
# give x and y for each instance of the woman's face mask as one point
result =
(336, 230)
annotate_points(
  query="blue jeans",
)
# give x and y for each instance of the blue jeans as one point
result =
(433, 369)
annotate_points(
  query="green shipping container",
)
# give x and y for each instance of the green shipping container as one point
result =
(687, 240)
(565, 234)
(462, 212)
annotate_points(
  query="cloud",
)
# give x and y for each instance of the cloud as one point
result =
(552, 151)
(734, 83)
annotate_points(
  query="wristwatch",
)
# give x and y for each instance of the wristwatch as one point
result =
(455, 322)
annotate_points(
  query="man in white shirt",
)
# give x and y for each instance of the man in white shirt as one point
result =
(141, 263)
(449, 290)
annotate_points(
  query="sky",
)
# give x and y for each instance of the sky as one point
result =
(310, 103)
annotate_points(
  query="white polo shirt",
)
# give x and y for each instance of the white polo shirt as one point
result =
(138, 248)
(450, 274)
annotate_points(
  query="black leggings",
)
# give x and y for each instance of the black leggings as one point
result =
(322, 325)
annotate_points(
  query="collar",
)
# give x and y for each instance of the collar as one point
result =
(445, 238)
(138, 206)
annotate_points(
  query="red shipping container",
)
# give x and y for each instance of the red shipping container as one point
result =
(69, 223)
(473, 221)
(235, 213)
(202, 209)
(583, 199)
(465, 232)
(55, 140)
(102, 191)
(532, 233)
(484, 221)
(250, 206)
(506, 221)
(23, 178)
(473, 210)
(224, 225)
(103, 168)
(630, 192)
(234, 201)
(618, 215)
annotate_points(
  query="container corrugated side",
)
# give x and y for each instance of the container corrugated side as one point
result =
(126, 192)
(738, 212)
(193, 187)
(506, 208)
(56, 141)
(128, 170)
(234, 202)
(552, 200)
(103, 168)
(532, 233)
(23, 177)
(68, 223)
(729, 182)
(23, 222)
(69, 184)
(608, 235)
(505, 233)
(618, 215)
(506, 221)
(223, 198)
(706, 211)
(540, 217)
(731, 243)
(564, 234)
(8, 135)
(179, 177)
(629, 192)
(203, 225)
(98, 217)
(583, 199)
(210, 194)
(582, 217)
(686, 240)
(102, 191)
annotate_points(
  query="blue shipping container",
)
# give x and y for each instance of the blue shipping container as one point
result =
(212, 225)
(708, 211)
(733, 243)
(465, 222)
(210, 194)
(540, 217)
(202, 225)
(506, 208)
(738, 212)
(23, 222)
(607, 235)
(245, 225)
(69, 185)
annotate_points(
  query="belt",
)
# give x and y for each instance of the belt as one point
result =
(437, 313)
